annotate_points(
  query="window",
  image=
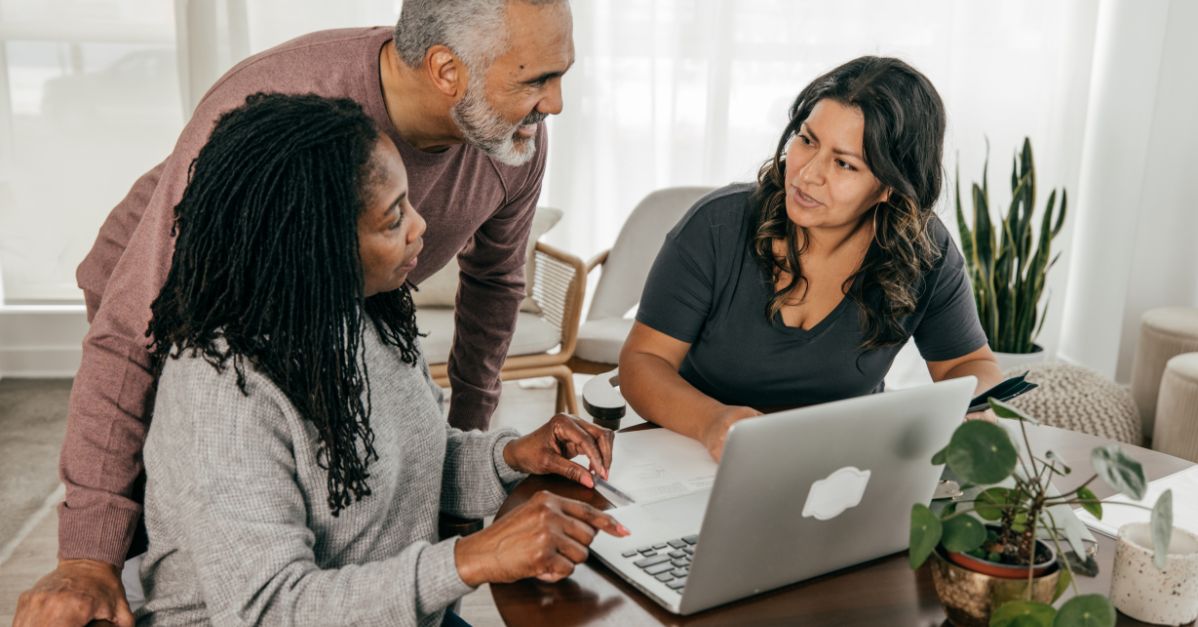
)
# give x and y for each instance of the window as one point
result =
(89, 100)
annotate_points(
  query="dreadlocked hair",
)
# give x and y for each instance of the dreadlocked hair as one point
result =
(903, 143)
(266, 269)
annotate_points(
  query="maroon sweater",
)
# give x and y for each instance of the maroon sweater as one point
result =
(476, 208)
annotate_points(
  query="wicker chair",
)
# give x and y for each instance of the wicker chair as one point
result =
(545, 337)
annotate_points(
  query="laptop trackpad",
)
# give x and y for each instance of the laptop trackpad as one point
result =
(671, 518)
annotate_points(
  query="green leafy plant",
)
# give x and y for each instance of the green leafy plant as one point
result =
(1001, 523)
(1008, 275)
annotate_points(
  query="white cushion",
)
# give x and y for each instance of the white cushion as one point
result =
(1178, 321)
(631, 256)
(533, 334)
(441, 289)
(1184, 366)
(601, 340)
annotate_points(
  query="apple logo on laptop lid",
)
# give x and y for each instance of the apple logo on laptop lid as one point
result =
(830, 496)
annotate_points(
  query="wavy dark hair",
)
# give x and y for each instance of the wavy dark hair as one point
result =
(266, 269)
(903, 144)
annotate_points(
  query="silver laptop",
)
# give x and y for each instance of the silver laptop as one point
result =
(798, 494)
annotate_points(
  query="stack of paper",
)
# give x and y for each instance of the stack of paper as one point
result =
(655, 464)
(1115, 513)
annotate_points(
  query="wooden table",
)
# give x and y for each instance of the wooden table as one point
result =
(882, 592)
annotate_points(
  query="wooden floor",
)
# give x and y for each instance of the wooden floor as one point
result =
(523, 407)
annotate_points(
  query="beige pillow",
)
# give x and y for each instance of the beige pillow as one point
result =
(441, 289)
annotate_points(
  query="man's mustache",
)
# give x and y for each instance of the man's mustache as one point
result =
(536, 117)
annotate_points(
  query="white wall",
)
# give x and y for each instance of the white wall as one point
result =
(41, 341)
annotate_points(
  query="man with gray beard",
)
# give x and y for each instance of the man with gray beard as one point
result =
(461, 87)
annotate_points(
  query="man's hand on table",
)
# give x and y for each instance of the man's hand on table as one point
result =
(549, 449)
(74, 594)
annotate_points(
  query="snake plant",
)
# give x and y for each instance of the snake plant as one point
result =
(1007, 273)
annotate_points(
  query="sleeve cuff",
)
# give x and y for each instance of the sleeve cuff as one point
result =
(438, 583)
(959, 349)
(507, 474)
(102, 532)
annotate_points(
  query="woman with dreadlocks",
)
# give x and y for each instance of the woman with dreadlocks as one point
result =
(298, 459)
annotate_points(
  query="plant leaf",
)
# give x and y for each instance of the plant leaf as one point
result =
(1162, 528)
(1003, 410)
(925, 534)
(1020, 613)
(1087, 610)
(938, 458)
(1089, 502)
(1063, 581)
(1119, 471)
(989, 504)
(981, 452)
(962, 227)
(1029, 170)
(963, 533)
(1061, 216)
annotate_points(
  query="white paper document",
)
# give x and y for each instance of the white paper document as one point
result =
(654, 465)
(1185, 505)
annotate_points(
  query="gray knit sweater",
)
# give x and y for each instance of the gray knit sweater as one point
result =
(236, 506)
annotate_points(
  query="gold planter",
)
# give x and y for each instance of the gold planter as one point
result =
(968, 597)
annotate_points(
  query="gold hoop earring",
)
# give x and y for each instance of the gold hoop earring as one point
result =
(877, 210)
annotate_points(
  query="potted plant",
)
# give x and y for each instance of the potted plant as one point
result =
(1007, 273)
(1002, 556)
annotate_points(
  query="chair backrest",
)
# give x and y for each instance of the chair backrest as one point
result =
(628, 263)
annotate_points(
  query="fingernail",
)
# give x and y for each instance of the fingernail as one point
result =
(622, 529)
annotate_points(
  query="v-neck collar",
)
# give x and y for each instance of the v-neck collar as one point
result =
(827, 321)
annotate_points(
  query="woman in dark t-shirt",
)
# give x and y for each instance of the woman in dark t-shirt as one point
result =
(801, 289)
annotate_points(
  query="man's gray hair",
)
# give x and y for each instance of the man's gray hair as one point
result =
(476, 30)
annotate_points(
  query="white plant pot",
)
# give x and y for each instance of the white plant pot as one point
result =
(1140, 590)
(1012, 361)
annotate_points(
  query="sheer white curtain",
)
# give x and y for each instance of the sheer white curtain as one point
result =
(94, 92)
(1137, 230)
(88, 101)
(680, 92)
(668, 92)
(225, 31)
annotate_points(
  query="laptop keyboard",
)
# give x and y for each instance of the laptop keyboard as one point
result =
(669, 562)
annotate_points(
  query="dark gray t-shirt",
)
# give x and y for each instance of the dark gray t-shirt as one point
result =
(707, 289)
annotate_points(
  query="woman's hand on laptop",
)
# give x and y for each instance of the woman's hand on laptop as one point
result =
(545, 537)
(716, 433)
(549, 449)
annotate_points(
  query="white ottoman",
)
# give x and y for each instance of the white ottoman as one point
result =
(1177, 409)
(1164, 333)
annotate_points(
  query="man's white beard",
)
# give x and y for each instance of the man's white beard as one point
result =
(482, 126)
